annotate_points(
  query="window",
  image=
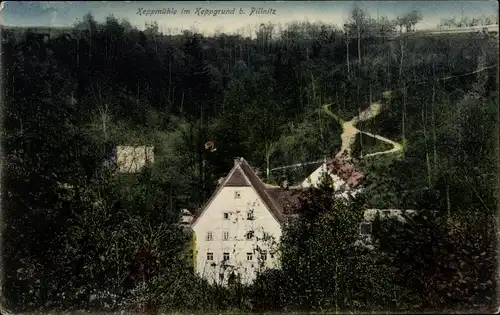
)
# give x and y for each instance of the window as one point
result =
(225, 236)
(225, 256)
(225, 215)
(249, 256)
(250, 215)
(237, 195)
(210, 236)
(263, 255)
(210, 256)
(365, 228)
(249, 235)
(266, 236)
(271, 254)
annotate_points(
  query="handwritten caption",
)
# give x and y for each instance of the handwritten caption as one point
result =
(207, 12)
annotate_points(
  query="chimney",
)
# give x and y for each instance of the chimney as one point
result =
(220, 181)
(236, 161)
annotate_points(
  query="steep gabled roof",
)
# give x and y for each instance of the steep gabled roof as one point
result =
(242, 175)
(238, 179)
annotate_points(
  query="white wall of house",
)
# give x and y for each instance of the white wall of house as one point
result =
(229, 235)
(132, 159)
(314, 179)
(341, 189)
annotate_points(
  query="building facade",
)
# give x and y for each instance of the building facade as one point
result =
(238, 230)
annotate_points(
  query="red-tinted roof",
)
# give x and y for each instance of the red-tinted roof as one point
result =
(277, 199)
(345, 171)
(284, 197)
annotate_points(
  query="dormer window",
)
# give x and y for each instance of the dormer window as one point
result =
(237, 195)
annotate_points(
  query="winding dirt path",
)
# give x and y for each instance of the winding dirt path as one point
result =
(349, 128)
(349, 131)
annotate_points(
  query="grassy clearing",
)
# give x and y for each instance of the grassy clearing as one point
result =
(369, 145)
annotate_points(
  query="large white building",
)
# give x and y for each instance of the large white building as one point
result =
(238, 230)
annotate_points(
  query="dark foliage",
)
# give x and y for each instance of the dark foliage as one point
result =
(73, 230)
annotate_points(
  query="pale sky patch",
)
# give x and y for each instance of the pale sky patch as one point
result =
(50, 13)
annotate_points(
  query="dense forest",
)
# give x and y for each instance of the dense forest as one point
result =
(77, 236)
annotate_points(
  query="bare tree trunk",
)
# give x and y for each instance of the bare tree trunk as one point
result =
(104, 120)
(78, 52)
(347, 57)
(403, 120)
(434, 124)
(359, 46)
(427, 158)
(359, 112)
(401, 59)
(169, 77)
(90, 42)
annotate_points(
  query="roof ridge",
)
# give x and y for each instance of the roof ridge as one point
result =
(261, 188)
(215, 193)
(255, 182)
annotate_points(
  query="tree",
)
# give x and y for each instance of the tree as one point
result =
(413, 18)
(401, 21)
(71, 96)
(321, 260)
(348, 38)
(357, 23)
(444, 269)
(124, 239)
(44, 153)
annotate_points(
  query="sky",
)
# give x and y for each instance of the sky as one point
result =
(61, 13)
